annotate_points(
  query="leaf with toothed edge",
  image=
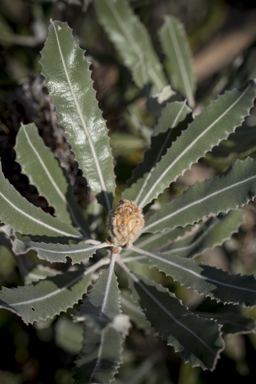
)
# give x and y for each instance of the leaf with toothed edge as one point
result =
(27, 219)
(125, 30)
(197, 339)
(206, 280)
(165, 132)
(43, 170)
(232, 322)
(211, 233)
(48, 297)
(59, 252)
(214, 124)
(179, 64)
(228, 190)
(154, 241)
(69, 82)
(105, 328)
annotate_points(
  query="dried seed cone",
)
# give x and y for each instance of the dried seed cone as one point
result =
(124, 224)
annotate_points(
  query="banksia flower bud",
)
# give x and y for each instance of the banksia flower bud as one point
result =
(124, 224)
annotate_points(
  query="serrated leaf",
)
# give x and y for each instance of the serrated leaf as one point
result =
(58, 252)
(68, 80)
(213, 232)
(165, 132)
(215, 123)
(227, 191)
(232, 323)
(207, 280)
(48, 297)
(101, 352)
(28, 219)
(131, 308)
(239, 144)
(179, 66)
(148, 241)
(132, 42)
(43, 170)
(197, 339)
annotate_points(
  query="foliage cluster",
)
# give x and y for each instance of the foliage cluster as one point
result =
(123, 288)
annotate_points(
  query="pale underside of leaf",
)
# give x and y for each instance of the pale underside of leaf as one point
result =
(214, 124)
(173, 40)
(205, 279)
(68, 79)
(198, 342)
(28, 219)
(228, 190)
(125, 30)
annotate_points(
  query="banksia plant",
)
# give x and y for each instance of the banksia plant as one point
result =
(167, 236)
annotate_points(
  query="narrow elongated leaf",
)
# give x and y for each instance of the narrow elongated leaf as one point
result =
(240, 144)
(205, 279)
(44, 171)
(149, 242)
(179, 66)
(68, 80)
(232, 323)
(229, 190)
(197, 339)
(214, 124)
(133, 310)
(132, 41)
(28, 219)
(48, 297)
(101, 352)
(213, 232)
(163, 136)
(58, 252)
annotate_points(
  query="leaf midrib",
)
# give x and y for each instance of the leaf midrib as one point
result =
(136, 280)
(195, 202)
(205, 278)
(181, 64)
(38, 221)
(159, 154)
(142, 203)
(83, 123)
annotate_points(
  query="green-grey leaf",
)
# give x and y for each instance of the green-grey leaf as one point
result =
(68, 80)
(163, 136)
(227, 191)
(58, 252)
(100, 356)
(48, 297)
(205, 279)
(132, 309)
(179, 65)
(232, 323)
(213, 232)
(197, 339)
(28, 219)
(132, 42)
(103, 302)
(241, 143)
(215, 123)
(39, 164)
(149, 241)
